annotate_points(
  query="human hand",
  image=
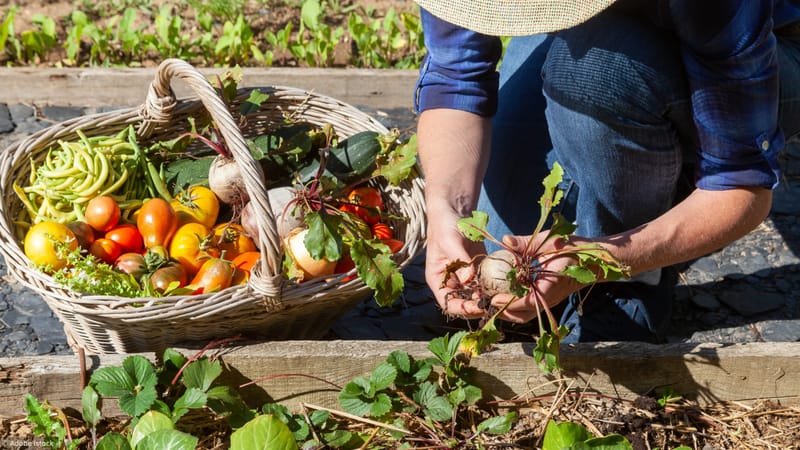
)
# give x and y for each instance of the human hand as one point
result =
(549, 288)
(446, 245)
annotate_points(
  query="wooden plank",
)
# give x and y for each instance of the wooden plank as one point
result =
(707, 373)
(94, 87)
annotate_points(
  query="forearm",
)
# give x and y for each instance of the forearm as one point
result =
(453, 151)
(704, 222)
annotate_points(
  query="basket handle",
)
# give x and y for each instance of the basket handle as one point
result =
(158, 107)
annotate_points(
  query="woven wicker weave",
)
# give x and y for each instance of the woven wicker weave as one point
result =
(268, 307)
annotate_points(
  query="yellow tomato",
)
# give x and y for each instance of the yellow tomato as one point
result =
(196, 204)
(41, 244)
(231, 239)
(191, 246)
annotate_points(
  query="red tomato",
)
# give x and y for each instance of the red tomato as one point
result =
(168, 277)
(215, 274)
(102, 213)
(382, 231)
(105, 250)
(127, 236)
(157, 222)
(368, 203)
(344, 265)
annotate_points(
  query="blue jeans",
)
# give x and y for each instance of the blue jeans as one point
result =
(635, 109)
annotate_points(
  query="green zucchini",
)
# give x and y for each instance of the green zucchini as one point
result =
(349, 161)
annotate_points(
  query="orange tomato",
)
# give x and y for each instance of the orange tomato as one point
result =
(368, 203)
(382, 231)
(231, 240)
(157, 222)
(191, 246)
(214, 275)
(105, 250)
(243, 264)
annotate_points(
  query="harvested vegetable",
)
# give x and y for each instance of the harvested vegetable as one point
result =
(42, 247)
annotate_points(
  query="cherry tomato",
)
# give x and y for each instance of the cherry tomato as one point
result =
(102, 213)
(394, 244)
(191, 246)
(131, 263)
(168, 277)
(127, 236)
(368, 203)
(382, 231)
(42, 243)
(196, 204)
(157, 222)
(105, 250)
(232, 240)
(214, 275)
(244, 264)
(83, 232)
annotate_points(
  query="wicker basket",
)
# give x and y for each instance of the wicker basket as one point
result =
(268, 307)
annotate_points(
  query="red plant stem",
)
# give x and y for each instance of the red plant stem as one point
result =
(196, 356)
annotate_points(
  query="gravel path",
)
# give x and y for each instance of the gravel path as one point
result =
(746, 292)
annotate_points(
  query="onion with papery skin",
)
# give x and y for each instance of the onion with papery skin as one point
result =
(296, 249)
(225, 179)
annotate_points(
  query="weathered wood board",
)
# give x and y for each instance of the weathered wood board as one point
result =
(95, 87)
(708, 373)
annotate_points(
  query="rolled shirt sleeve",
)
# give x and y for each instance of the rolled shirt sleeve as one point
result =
(729, 52)
(459, 70)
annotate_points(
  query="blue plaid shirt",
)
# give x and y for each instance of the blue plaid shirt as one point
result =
(733, 80)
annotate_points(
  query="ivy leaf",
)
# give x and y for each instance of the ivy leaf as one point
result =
(474, 228)
(134, 383)
(396, 164)
(377, 270)
(323, 239)
(263, 432)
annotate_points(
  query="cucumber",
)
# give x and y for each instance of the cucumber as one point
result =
(351, 160)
